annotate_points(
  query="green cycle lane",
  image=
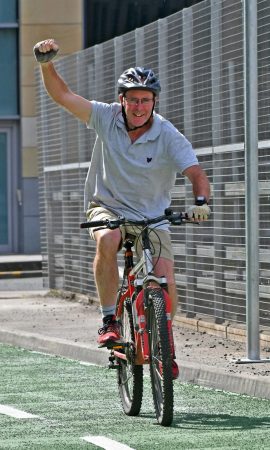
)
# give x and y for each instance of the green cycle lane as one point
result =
(69, 403)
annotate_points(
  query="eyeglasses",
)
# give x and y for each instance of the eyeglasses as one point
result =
(137, 101)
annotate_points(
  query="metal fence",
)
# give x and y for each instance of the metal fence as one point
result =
(198, 54)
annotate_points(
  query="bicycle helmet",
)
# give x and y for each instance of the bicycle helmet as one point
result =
(138, 78)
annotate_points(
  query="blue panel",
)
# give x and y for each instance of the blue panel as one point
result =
(8, 72)
(8, 11)
(3, 190)
(30, 197)
(31, 237)
(31, 215)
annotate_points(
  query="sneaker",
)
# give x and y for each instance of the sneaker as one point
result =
(109, 333)
(175, 369)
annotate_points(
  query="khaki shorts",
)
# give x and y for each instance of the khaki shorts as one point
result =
(160, 239)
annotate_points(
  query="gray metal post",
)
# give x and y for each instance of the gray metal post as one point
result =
(187, 18)
(140, 48)
(217, 200)
(252, 191)
(163, 65)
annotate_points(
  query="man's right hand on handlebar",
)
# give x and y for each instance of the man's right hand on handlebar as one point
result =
(200, 211)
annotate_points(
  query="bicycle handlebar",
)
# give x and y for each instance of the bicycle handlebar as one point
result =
(173, 217)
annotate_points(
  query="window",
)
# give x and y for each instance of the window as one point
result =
(8, 58)
(8, 11)
(3, 190)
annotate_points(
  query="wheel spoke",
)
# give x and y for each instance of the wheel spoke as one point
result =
(130, 376)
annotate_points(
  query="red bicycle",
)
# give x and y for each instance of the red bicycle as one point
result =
(144, 313)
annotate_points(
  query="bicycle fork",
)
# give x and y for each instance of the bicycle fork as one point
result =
(141, 310)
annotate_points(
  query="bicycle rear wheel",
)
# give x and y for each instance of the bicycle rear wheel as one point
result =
(130, 375)
(160, 357)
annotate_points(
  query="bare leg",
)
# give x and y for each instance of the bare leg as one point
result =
(105, 265)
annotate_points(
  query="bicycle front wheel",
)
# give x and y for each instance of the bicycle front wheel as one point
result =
(160, 357)
(130, 375)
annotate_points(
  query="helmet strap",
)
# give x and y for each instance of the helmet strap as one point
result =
(140, 126)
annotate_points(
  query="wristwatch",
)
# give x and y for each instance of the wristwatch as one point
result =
(200, 200)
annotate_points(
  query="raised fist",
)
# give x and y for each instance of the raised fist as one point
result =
(45, 51)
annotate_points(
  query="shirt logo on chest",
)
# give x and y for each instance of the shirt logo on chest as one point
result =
(149, 160)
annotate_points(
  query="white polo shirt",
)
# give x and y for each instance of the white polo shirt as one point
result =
(134, 179)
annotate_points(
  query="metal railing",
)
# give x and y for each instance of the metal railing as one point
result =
(198, 54)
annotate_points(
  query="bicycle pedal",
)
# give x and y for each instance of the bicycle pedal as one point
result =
(110, 345)
(118, 346)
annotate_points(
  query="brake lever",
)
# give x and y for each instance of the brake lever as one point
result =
(114, 223)
(181, 219)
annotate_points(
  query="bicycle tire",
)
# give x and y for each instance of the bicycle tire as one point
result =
(160, 354)
(130, 375)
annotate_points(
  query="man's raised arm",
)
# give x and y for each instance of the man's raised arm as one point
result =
(56, 87)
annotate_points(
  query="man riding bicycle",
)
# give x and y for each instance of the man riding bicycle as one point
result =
(135, 160)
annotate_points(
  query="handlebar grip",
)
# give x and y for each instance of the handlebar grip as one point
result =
(93, 224)
(84, 225)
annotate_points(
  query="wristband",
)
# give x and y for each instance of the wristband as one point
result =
(200, 200)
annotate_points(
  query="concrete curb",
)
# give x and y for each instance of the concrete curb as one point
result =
(23, 294)
(255, 386)
(228, 330)
(55, 346)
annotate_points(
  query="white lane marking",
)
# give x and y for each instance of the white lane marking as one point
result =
(17, 413)
(106, 443)
(85, 363)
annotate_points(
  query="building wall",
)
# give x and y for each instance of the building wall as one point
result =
(62, 20)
